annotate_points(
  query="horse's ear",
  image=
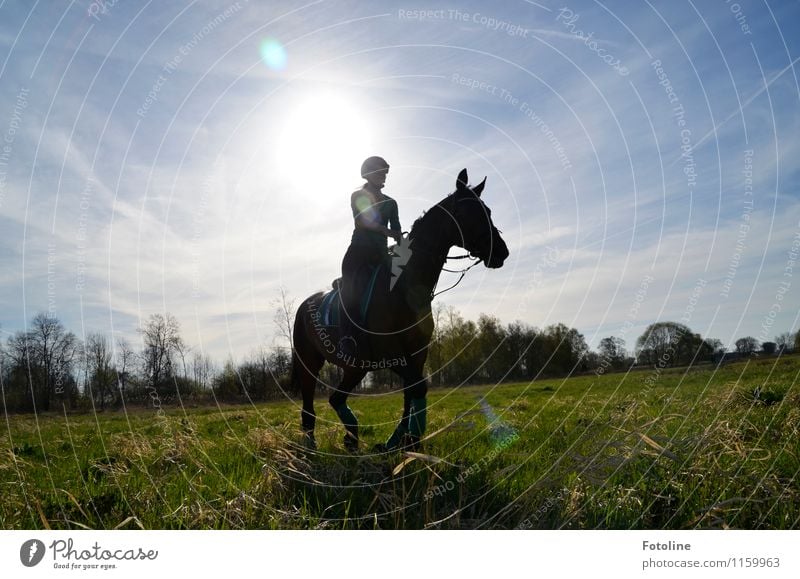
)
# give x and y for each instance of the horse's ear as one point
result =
(461, 180)
(478, 189)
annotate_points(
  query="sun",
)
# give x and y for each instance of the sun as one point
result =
(323, 142)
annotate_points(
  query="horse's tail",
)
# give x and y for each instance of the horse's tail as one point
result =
(294, 370)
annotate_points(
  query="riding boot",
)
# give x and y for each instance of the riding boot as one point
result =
(350, 321)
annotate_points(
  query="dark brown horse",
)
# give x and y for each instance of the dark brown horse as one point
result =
(399, 323)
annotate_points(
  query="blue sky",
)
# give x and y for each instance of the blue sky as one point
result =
(161, 157)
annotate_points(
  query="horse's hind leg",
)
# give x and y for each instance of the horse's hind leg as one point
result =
(338, 401)
(305, 368)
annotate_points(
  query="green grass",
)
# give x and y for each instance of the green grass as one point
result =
(702, 448)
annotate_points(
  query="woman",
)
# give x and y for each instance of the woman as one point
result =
(372, 212)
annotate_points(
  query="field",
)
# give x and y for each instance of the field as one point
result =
(700, 448)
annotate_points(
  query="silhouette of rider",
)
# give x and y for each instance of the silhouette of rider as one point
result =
(372, 212)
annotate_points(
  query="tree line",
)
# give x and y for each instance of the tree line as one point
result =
(47, 367)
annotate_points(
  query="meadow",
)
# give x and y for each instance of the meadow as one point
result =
(703, 447)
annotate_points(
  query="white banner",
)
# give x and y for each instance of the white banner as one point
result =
(390, 554)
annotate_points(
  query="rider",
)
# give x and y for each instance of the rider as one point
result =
(372, 212)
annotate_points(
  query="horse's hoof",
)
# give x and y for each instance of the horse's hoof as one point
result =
(351, 444)
(309, 443)
(411, 443)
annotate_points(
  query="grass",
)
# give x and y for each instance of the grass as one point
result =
(697, 448)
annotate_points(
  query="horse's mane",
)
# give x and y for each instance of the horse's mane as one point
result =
(425, 220)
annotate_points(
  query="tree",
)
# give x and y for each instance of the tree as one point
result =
(162, 346)
(655, 343)
(785, 342)
(519, 340)
(434, 361)
(460, 354)
(48, 352)
(669, 344)
(612, 353)
(769, 348)
(565, 347)
(747, 345)
(284, 316)
(495, 356)
(100, 371)
(202, 370)
(125, 357)
(715, 345)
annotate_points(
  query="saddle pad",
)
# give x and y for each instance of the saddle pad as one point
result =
(329, 308)
(331, 304)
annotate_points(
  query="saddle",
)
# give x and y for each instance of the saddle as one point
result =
(330, 307)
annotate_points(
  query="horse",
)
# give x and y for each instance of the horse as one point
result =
(398, 321)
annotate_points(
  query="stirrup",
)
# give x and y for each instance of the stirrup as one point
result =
(348, 346)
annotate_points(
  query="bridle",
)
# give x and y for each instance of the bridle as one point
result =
(476, 260)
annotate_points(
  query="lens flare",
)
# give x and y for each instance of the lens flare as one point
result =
(324, 141)
(273, 54)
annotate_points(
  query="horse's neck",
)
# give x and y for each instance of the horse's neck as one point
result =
(426, 263)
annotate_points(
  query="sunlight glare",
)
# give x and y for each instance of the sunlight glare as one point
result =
(323, 143)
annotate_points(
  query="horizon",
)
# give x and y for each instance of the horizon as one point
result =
(642, 164)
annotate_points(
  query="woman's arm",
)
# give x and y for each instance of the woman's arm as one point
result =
(365, 216)
(394, 219)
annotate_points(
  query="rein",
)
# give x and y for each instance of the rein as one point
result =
(463, 272)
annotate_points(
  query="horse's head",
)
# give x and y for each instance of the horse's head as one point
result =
(474, 229)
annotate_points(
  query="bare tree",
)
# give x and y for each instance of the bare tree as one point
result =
(50, 352)
(716, 346)
(202, 370)
(101, 371)
(747, 345)
(284, 315)
(785, 342)
(612, 352)
(125, 357)
(162, 345)
(102, 374)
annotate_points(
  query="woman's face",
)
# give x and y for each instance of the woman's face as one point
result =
(377, 178)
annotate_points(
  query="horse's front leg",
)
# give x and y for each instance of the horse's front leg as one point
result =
(411, 427)
(338, 401)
